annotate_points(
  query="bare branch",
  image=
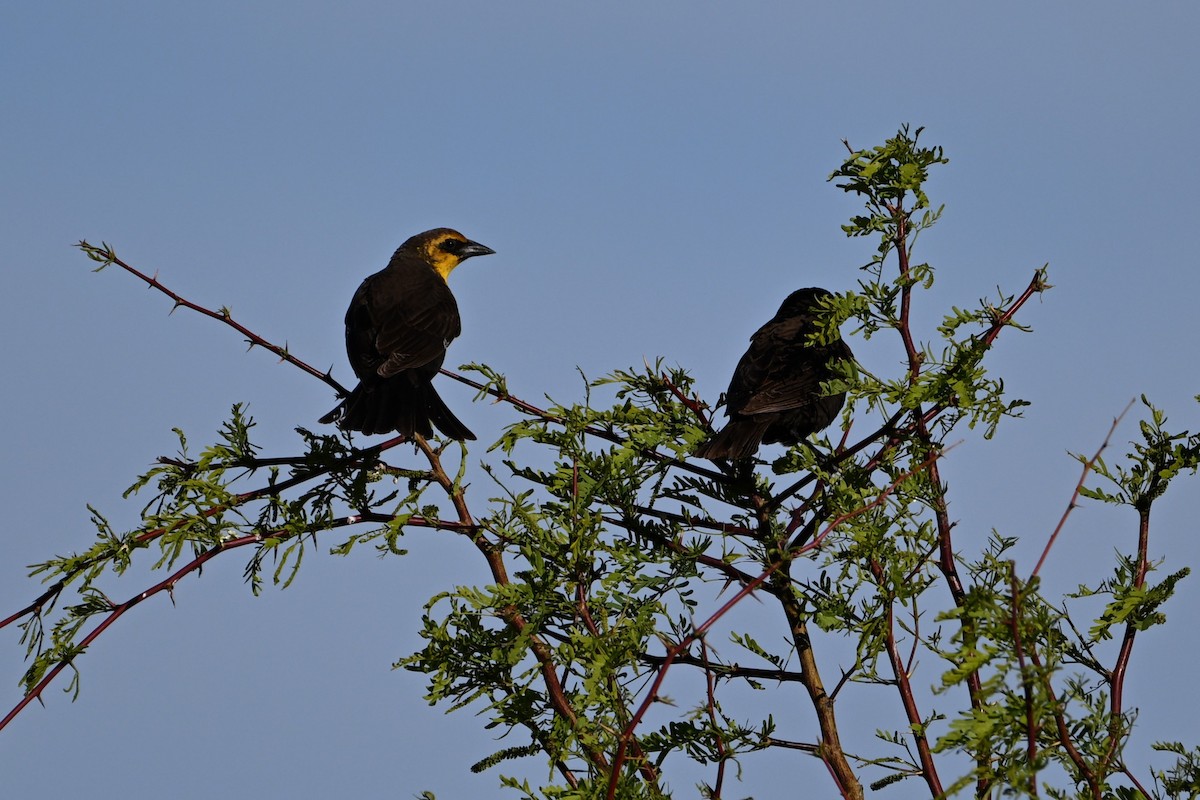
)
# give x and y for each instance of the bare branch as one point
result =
(1072, 503)
(106, 256)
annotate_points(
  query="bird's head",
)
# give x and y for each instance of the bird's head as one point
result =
(801, 302)
(444, 249)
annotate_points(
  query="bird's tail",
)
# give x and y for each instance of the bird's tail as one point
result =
(443, 418)
(739, 439)
(397, 405)
(334, 415)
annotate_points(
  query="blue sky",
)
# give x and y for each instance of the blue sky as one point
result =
(652, 177)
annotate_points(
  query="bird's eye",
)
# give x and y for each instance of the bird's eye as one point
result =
(450, 245)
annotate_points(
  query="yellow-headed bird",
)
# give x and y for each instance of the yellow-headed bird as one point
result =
(775, 394)
(398, 327)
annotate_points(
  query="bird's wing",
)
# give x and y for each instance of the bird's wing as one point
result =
(780, 371)
(762, 364)
(416, 331)
(400, 320)
(797, 383)
(795, 391)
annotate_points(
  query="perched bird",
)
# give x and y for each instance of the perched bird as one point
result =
(775, 394)
(398, 327)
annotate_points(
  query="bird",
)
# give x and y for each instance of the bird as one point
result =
(398, 326)
(775, 393)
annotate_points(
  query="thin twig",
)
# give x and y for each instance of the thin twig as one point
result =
(1066, 741)
(271, 490)
(105, 255)
(710, 686)
(593, 430)
(1072, 504)
(165, 585)
(725, 671)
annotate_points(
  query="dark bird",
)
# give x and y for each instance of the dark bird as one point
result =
(775, 394)
(398, 327)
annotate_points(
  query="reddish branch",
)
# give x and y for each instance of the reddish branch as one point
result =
(494, 557)
(896, 433)
(710, 686)
(1073, 503)
(921, 418)
(1085, 772)
(105, 256)
(693, 404)
(900, 241)
(1032, 726)
(946, 561)
(146, 537)
(907, 697)
(673, 653)
(166, 585)
(1117, 677)
(831, 750)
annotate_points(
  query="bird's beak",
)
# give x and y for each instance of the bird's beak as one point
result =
(473, 249)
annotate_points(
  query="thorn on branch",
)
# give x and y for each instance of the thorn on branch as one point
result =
(108, 256)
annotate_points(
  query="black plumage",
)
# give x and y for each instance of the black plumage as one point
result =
(775, 393)
(398, 326)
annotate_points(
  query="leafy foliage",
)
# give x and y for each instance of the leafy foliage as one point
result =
(614, 639)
